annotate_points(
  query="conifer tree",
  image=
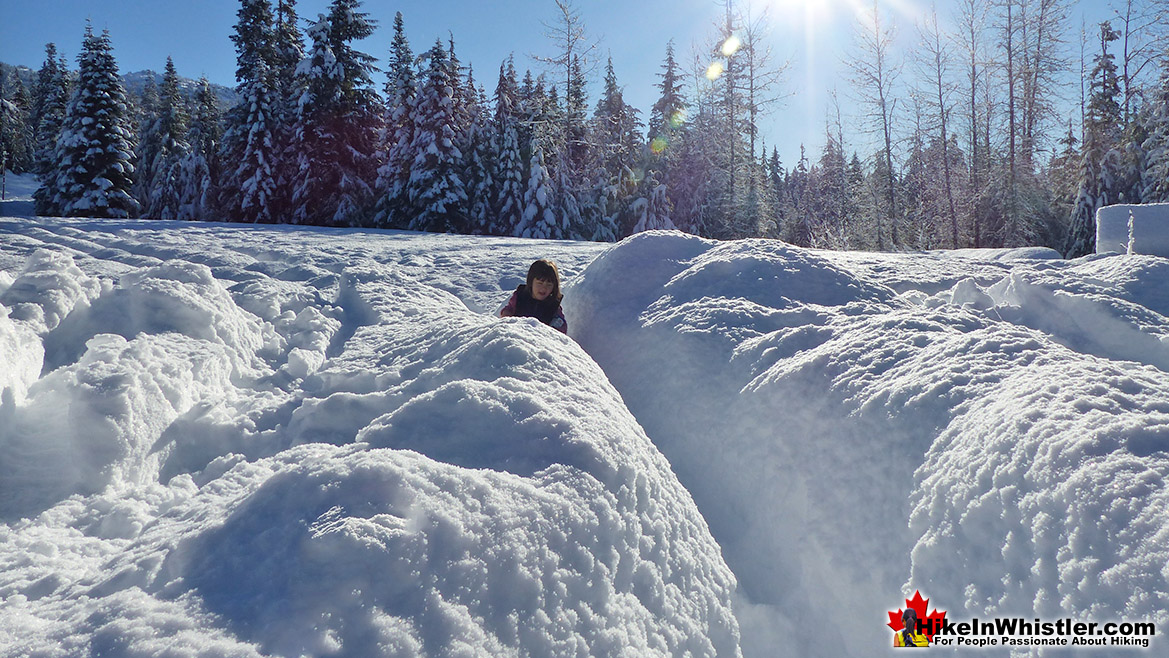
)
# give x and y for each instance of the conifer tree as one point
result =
(287, 51)
(509, 171)
(539, 217)
(337, 123)
(436, 194)
(197, 172)
(651, 210)
(15, 135)
(94, 169)
(1155, 178)
(1100, 166)
(666, 117)
(617, 127)
(250, 153)
(397, 133)
(50, 98)
(169, 135)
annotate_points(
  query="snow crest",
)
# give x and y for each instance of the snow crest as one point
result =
(992, 432)
(219, 442)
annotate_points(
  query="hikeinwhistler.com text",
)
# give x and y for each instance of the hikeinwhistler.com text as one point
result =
(1019, 632)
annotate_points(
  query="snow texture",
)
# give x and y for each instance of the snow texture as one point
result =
(233, 441)
(855, 427)
(1133, 229)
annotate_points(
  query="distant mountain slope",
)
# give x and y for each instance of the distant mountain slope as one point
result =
(134, 83)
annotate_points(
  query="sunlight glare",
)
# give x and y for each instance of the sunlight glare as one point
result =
(731, 46)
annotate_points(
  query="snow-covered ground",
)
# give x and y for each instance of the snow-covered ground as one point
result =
(221, 440)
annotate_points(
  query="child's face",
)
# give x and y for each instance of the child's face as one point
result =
(541, 288)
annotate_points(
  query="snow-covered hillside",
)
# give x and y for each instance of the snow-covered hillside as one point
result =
(231, 441)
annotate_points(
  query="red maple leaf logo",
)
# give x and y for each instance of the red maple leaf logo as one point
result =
(930, 624)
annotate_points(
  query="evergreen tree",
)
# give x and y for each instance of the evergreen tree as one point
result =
(480, 172)
(169, 134)
(539, 219)
(830, 193)
(50, 98)
(144, 115)
(337, 123)
(94, 169)
(397, 133)
(436, 194)
(1155, 177)
(651, 210)
(1100, 167)
(509, 171)
(575, 114)
(666, 117)
(197, 172)
(15, 135)
(250, 153)
(287, 88)
(616, 127)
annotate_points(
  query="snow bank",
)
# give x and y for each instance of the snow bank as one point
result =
(246, 443)
(231, 441)
(854, 430)
(1133, 229)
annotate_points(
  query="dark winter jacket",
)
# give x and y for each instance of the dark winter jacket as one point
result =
(523, 305)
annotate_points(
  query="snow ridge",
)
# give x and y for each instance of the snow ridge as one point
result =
(207, 461)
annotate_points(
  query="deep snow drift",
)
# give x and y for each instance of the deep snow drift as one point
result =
(236, 441)
(991, 431)
(225, 441)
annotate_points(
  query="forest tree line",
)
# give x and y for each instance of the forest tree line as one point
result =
(973, 146)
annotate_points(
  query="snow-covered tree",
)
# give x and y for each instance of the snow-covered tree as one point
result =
(666, 117)
(167, 137)
(437, 196)
(50, 98)
(338, 119)
(1155, 178)
(286, 51)
(616, 127)
(197, 172)
(1100, 170)
(15, 133)
(651, 210)
(539, 218)
(508, 175)
(250, 154)
(397, 133)
(93, 173)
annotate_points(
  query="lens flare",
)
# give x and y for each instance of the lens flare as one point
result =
(715, 70)
(658, 145)
(731, 46)
(677, 118)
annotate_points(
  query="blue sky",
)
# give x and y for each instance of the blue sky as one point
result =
(812, 35)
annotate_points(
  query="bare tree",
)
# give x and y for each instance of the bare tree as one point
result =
(1144, 31)
(971, 37)
(934, 58)
(762, 76)
(873, 77)
(574, 48)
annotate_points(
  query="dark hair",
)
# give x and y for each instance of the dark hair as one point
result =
(545, 270)
(907, 633)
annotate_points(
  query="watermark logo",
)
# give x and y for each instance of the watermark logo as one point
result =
(912, 626)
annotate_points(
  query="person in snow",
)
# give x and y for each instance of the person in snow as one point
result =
(909, 636)
(539, 298)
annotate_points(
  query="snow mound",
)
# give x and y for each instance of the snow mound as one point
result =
(993, 434)
(216, 450)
